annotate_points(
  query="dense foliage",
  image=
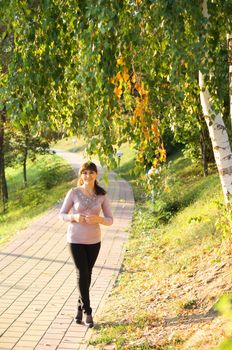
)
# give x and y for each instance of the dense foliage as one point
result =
(115, 71)
(67, 55)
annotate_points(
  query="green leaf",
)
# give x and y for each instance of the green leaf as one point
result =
(226, 345)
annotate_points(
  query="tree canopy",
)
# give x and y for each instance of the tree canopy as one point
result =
(116, 71)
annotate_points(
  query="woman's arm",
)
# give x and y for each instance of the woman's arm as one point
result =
(107, 219)
(66, 207)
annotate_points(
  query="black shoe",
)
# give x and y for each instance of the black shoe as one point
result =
(89, 321)
(79, 316)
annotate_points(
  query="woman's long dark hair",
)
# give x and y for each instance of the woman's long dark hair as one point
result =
(92, 167)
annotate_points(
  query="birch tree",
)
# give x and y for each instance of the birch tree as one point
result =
(229, 41)
(218, 132)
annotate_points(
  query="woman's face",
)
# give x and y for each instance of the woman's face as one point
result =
(88, 176)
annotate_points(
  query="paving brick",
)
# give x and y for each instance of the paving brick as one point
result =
(8, 346)
(38, 291)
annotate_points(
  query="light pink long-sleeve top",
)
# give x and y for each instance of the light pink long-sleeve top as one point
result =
(80, 203)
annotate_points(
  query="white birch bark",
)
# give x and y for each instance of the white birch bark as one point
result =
(229, 41)
(218, 134)
(220, 141)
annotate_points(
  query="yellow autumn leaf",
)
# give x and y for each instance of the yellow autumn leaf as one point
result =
(112, 80)
(119, 77)
(128, 85)
(133, 78)
(143, 90)
(145, 99)
(118, 91)
(145, 142)
(162, 153)
(138, 112)
(167, 189)
(125, 74)
(154, 128)
(133, 119)
(120, 61)
(155, 163)
(138, 88)
(145, 132)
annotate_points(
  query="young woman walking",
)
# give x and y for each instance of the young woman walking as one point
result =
(81, 208)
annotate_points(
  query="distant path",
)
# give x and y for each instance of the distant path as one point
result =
(38, 281)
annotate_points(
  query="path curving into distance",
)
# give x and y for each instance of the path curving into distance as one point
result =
(38, 279)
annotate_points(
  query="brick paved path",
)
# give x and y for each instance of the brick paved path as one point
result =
(38, 281)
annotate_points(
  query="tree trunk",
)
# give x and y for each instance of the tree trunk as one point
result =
(25, 167)
(205, 142)
(25, 154)
(220, 141)
(3, 183)
(229, 41)
(204, 155)
(218, 133)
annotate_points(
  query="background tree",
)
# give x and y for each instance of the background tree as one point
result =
(3, 183)
(26, 144)
(24, 138)
(5, 53)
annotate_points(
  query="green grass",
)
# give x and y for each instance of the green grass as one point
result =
(48, 179)
(71, 144)
(168, 238)
(126, 163)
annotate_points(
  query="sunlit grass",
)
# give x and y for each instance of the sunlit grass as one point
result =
(165, 240)
(48, 179)
(126, 162)
(71, 144)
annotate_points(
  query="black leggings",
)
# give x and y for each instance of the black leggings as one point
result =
(84, 256)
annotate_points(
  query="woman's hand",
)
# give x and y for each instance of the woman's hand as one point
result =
(92, 219)
(78, 218)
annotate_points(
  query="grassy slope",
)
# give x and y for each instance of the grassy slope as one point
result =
(48, 179)
(70, 144)
(170, 278)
